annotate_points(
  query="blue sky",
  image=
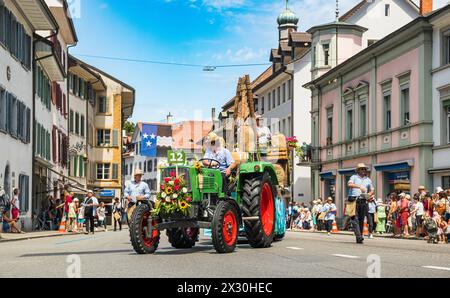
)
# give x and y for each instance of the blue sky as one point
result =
(205, 32)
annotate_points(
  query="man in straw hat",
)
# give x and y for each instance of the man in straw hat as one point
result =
(218, 156)
(136, 190)
(263, 132)
(90, 204)
(360, 189)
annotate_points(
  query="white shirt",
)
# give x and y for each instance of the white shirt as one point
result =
(17, 203)
(264, 135)
(420, 210)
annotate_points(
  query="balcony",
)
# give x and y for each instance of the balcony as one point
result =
(311, 157)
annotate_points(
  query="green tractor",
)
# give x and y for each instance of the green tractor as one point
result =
(252, 201)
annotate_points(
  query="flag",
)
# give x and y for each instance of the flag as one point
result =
(149, 140)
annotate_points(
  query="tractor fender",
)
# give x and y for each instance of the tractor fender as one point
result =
(273, 175)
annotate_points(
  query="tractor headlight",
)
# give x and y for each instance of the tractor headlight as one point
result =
(257, 168)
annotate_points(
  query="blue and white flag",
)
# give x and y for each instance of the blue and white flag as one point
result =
(149, 140)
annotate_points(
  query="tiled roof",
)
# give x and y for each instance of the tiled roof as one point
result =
(299, 37)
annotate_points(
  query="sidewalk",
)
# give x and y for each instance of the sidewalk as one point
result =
(348, 233)
(46, 234)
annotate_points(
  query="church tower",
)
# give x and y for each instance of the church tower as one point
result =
(287, 23)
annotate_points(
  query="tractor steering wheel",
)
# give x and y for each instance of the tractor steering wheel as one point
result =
(211, 160)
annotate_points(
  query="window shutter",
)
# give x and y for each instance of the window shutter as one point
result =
(115, 141)
(54, 93)
(2, 104)
(115, 171)
(54, 140)
(106, 105)
(64, 106)
(47, 142)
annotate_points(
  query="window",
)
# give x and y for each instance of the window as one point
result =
(279, 96)
(283, 91)
(2, 108)
(71, 119)
(387, 112)
(284, 127)
(329, 127)
(405, 106)
(448, 125)
(262, 106)
(43, 87)
(350, 123)
(326, 53)
(387, 10)
(290, 89)
(115, 171)
(273, 99)
(103, 171)
(77, 123)
(289, 126)
(446, 47)
(269, 106)
(103, 137)
(103, 107)
(314, 57)
(24, 186)
(446, 182)
(82, 126)
(363, 120)
(150, 166)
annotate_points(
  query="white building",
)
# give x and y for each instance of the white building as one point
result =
(23, 18)
(441, 97)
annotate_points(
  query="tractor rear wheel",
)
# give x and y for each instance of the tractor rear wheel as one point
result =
(225, 227)
(138, 225)
(258, 201)
(183, 237)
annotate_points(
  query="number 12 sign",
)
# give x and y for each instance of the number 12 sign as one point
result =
(176, 157)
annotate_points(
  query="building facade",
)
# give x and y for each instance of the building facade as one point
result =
(441, 98)
(374, 108)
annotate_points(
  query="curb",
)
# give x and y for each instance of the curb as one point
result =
(351, 234)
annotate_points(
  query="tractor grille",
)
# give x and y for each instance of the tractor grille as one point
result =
(208, 182)
(184, 172)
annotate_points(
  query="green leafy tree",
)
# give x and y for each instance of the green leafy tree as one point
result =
(129, 127)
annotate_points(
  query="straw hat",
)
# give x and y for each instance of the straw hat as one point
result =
(138, 172)
(212, 137)
(329, 199)
(439, 189)
(90, 191)
(422, 187)
(76, 200)
(362, 166)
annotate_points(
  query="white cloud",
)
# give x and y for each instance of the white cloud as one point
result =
(241, 55)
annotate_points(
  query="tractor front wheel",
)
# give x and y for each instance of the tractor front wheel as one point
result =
(258, 201)
(183, 237)
(138, 226)
(224, 227)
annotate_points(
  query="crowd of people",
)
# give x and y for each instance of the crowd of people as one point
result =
(424, 215)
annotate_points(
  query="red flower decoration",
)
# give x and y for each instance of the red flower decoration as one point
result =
(177, 181)
(163, 187)
(167, 180)
(189, 200)
(176, 188)
(173, 174)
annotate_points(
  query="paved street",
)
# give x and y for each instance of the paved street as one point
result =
(299, 255)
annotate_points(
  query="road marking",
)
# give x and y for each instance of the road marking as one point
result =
(436, 268)
(345, 256)
(294, 248)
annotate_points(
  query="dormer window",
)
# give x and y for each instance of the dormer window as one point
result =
(387, 10)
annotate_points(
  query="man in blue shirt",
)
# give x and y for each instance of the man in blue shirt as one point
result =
(360, 189)
(222, 158)
(136, 191)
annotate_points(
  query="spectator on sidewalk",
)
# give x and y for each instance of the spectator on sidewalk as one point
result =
(419, 212)
(320, 216)
(67, 201)
(381, 216)
(393, 214)
(404, 213)
(330, 214)
(117, 214)
(90, 210)
(15, 205)
(101, 214)
(371, 218)
(9, 224)
(72, 216)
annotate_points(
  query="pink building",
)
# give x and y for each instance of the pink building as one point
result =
(188, 136)
(375, 108)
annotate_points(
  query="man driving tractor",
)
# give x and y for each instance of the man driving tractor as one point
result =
(218, 156)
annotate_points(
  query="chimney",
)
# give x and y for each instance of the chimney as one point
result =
(213, 114)
(169, 118)
(426, 6)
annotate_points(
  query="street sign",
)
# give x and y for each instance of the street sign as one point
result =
(107, 193)
(176, 157)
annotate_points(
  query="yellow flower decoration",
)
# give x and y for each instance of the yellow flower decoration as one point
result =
(169, 190)
(184, 205)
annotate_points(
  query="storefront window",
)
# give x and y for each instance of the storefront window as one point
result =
(446, 182)
(397, 182)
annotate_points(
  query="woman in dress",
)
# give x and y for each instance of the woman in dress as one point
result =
(381, 214)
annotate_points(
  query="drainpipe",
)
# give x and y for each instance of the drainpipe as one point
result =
(292, 130)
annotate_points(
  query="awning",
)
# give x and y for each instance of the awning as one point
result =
(327, 175)
(45, 54)
(395, 166)
(344, 172)
(439, 170)
(38, 14)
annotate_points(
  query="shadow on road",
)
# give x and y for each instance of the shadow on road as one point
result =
(77, 253)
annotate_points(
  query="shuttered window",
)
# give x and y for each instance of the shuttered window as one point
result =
(80, 163)
(115, 171)
(103, 105)
(2, 108)
(115, 139)
(24, 199)
(2, 23)
(77, 123)
(71, 119)
(82, 126)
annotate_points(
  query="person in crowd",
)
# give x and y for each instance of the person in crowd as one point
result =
(80, 218)
(441, 203)
(393, 214)
(372, 209)
(447, 206)
(72, 216)
(218, 156)
(101, 215)
(307, 221)
(290, 217)
(441, 227)
(320, 216)
(381, 216)
(90, 210)
(9, 224)
(314, 213)
(68, 198)
(263, 133)
(15, 205)
(330, 214)
(419, 212)
(404, 213)
(137, 190)
(360, 189)
(117, 214)
(448, 231)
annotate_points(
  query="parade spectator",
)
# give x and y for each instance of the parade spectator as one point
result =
(381, 216)
(393, 214)
(90, 210)
(80, 218)
(404, 214)
(68, 198)
(290, 218)
(15, 205)
(307, 219)
(372, 209)
(320, 216)
(330, 214)
(117, 214)
(101, 214)
(314, 213)
(9, 224)
(72, 216)
(418, 212)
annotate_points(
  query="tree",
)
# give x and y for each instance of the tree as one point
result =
(129, 127)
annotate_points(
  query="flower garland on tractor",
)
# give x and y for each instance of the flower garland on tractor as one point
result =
(173, 196)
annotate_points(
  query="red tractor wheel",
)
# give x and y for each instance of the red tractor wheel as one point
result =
(225, 226)
(138, 226)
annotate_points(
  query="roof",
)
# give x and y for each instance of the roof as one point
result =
(361, 4)
(336, 24)
(299, 37)
(78, 65)
(284, 47)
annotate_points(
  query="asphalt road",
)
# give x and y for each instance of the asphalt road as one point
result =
(299, 255)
